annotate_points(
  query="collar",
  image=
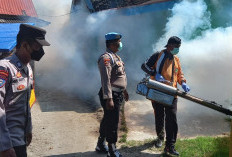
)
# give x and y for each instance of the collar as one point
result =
(108, 50)
(15, 60)
(168, 55)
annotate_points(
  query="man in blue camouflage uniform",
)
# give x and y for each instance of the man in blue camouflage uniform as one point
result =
(16, 80)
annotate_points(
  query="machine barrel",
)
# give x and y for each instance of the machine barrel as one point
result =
(210, 104)
(175, 92)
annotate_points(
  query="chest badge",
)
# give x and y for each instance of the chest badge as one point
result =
(119, 63)
(18, 75)
(20, 87)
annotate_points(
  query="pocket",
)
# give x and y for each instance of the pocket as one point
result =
(19, 85)
(120, 70)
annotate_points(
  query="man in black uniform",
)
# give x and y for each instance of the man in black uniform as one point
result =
(112, 93)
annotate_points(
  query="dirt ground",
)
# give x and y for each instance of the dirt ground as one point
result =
(64, 126)
(193, 120)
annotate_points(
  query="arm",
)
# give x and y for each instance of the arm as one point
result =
(29, 121)
(180, 75)
(147, 67)
(29, 128)
(126, 95)
(180, 78)
(105, 69)
(5, 140)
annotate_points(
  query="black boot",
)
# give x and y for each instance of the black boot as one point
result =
(159, 142)
(101, 145)
(171, 151)
(113, 152)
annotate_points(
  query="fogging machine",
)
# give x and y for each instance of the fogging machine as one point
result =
(164, 94)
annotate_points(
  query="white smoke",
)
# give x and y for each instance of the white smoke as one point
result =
(187, 17)
(205, 52)
(70, 62)
(78, 40)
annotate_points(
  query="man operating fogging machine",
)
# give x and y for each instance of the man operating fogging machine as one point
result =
(164, 66)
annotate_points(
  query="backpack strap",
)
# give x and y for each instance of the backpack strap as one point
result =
(159, 63)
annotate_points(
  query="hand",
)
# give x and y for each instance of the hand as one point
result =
(28, 138)
(8, 153)
(159, 78)
(185, 87)
(126, 95)
(109, 104)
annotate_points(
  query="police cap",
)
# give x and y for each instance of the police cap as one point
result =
(174, 40)
(113, 36)
(29, 31)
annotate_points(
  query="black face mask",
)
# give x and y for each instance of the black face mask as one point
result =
(37, 55)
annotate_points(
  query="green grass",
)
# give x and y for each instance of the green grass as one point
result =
(204, 147)
(198, 147)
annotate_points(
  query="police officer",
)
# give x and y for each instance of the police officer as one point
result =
(112, 93)
(164, 66)
(16, 79)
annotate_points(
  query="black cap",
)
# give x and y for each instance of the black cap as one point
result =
(174, 40)
(29, 31)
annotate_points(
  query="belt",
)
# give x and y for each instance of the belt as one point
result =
(116, 89)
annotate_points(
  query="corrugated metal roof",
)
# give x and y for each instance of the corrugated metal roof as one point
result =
(17, 7)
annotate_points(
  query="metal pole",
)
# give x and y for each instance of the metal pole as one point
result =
(209, 104)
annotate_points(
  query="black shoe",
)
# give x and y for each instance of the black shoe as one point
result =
(171, 151)
(101, 146)
(158, 143)
(113, 152)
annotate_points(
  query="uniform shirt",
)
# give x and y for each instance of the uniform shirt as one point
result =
(16, 82)
(112, 73)
(169, 67)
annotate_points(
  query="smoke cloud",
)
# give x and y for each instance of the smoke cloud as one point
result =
(70, 63)
(205, 52)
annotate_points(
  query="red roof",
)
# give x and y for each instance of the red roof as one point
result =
(17, 7)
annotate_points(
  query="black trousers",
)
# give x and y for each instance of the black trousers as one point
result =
(167, 113)
(109, 123)
(21, 151)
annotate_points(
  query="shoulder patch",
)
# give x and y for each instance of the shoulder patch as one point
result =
(106, 61)
(3, 77)
(4, 74)
(2, 82)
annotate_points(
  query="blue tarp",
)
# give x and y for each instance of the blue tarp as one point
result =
(8, 34)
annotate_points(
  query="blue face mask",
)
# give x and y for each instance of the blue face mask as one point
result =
(120, 46)
(175, 51)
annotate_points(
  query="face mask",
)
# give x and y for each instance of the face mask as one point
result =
(175, 51)
(37, 55)
(120, 46)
